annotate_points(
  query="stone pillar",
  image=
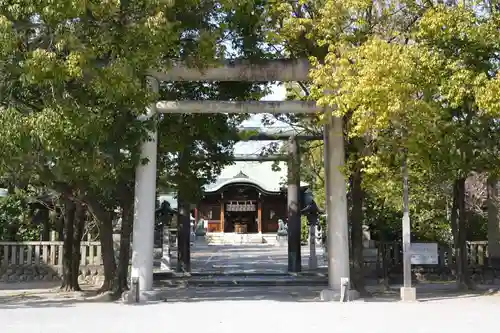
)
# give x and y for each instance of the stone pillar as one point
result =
(166, 252)
(293, 198)
(183, 235)
(336, 202)
(144, 209)
(408, 293)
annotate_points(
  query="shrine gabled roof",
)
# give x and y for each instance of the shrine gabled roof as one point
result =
(259, 174)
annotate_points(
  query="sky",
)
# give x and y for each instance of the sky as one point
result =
(254, 147)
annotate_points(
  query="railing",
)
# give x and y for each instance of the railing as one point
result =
(51, 253)
(477, 251)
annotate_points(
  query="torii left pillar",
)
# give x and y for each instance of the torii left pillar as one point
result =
(144, 209)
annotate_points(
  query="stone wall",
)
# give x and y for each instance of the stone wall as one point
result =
(32, 272)
(43, 272)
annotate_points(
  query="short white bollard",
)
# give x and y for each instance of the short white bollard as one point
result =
(344, 289)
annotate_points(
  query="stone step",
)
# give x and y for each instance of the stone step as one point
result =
(230, 239)
(240, 281)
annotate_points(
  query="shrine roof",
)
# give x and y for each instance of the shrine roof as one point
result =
(259, 174)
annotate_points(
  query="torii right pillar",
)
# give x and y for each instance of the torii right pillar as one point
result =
(336, 206)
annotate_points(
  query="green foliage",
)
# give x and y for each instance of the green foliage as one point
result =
(15, 222)
(304, 230)
(69, 113)
(415, 75)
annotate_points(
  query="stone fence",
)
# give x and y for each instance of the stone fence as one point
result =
(392, 253)
(385, 261)
(29, 261)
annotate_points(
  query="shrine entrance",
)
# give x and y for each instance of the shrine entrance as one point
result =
(242, 204)
(284, 70)
(241, 222)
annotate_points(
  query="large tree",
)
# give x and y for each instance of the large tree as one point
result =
(73, 84)
(417, 91)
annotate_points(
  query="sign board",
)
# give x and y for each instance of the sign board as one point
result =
(424, 254)
(237, 206)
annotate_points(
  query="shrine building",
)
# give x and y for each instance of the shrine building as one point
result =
(248, 197)
(251, 200)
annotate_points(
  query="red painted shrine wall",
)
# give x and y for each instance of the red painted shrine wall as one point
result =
(273, 208)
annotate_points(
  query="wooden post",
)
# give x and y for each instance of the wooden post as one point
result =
(221, 215)
(259, 215)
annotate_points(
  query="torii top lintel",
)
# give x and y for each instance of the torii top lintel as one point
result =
(285, 70)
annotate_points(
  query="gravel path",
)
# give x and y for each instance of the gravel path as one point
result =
(261, 310)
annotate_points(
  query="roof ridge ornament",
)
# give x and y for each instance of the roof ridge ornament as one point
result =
(241, 175)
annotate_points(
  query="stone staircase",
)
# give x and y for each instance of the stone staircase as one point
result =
(232, 239)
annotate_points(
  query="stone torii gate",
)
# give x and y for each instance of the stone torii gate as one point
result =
(273, 70)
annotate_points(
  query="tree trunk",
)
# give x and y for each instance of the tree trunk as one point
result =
(68, 230)
(108, 253)
(454, 215)
(460, 236)
(493, 223)
(358, 276)
(105, 223)
(121, 282)
(77, 238)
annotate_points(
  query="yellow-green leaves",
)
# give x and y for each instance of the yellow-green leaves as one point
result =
(41, 66)
(488, 96)
(7, 37)
(378, 82)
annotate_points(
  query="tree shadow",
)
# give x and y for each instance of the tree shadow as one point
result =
(295, 294)
(425, 298)
(34, 301)
(33, 285)
(46, 299)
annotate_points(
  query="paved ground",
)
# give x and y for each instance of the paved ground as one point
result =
(295, 310)
(258, 258)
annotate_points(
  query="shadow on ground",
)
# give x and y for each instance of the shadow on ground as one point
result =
(298, 294)
(214, 294)
(52, 300)
(45, 298)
